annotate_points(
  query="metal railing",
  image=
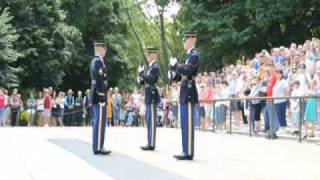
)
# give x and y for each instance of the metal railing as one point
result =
(302, 101)
(61, 112)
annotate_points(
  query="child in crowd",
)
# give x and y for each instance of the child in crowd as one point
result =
(318, 101)
(31, 104)
(310, 115)
(40, 109)
(130, 112)
(246, 104)
(142, 110)
(203, 123)
(122, 114)
(295, 107)
(174, 104)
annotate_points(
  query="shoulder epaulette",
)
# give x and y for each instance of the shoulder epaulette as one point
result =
(156, 65)
(195, 52)
(95, 58)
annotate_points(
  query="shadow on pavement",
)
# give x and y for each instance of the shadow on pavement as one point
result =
(116, 165)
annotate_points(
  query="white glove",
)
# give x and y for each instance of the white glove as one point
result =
(171, 74)
(140, 69)
(173, 61)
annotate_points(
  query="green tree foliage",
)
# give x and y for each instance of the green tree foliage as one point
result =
(150, 31)
(50, 42)
(56, 40)
(8, 55)
(101, 20)
(45, 41)
(141, 34)
(229, 29)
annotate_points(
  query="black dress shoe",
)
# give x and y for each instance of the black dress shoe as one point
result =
(147, 148)
(268, 136)
(274, 136)
(183, 157)
(295, 133)
(104, 152)
(96, 152)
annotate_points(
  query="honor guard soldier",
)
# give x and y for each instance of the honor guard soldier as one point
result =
(149, 80)
(98, 98)
(188, 93)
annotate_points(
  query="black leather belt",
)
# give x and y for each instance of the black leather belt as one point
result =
(188, 78)
(148, 85)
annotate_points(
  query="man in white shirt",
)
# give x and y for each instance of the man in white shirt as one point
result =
(281, 89)
(302, 78)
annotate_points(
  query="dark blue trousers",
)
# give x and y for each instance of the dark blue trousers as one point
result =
(188, 116)
(98, 126)
(281, 113)
(266, 118)
(151, 118)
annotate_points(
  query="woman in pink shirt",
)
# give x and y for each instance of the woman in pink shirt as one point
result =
(208, 99)
(2, 107)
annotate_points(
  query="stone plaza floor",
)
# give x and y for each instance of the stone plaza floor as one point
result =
(65, 153)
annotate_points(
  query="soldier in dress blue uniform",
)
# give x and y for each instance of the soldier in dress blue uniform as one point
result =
(188, 93)
(98, 98)
(149, 80)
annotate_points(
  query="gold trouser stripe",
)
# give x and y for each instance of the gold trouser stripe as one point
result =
(106, 108)
(189, 128)
(99, 127)
(152, 126)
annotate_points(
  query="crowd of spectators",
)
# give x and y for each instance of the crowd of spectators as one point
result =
(52, 108)
(283, 72)
(46, 108)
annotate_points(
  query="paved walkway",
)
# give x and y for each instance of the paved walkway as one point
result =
(64, 153)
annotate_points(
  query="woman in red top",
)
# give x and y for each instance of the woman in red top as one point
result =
(47, 107)
(2, 107)
(271, 118)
